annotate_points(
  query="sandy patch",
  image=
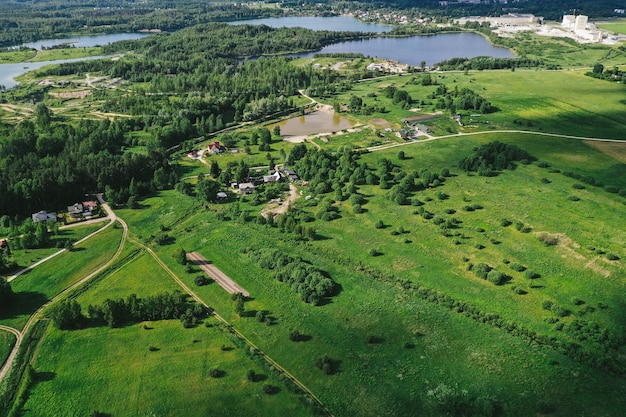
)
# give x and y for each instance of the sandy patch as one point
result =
(72, 94)
(279, 207)
(613, 149)
(380, 122)
(593, 265)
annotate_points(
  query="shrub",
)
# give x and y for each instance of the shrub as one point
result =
(295, 336)
(251, 375)
(269, 389)
(481, 270)
(201, 280)
(450, 211)
(505, 222)
(577, 301)
(357, 209)
(578, 186)
(549, 239)
(612, 257)
(380, 224)
(517, 267)
(542, 164)
(530, 274)
(573, 198)
(519, 291)
(559, 311)
(374, 252)
(479, 229)
(519, 225)
(325, 364)
(496, 277)
(546, 305)
(545, 181)
(215, 373)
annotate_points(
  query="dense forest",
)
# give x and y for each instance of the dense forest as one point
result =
(29, 21)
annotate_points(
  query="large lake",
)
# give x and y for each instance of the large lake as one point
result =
(413, 50)
(334, 23)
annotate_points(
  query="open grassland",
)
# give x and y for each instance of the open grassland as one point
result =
(617, 26)
(48, 55)
(114, 372)
(41, 284)
(562, 102)
(444, 347)
(25, 257)
(120, 375)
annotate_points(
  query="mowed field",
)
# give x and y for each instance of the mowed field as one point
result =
(113, 371)
(618, 26)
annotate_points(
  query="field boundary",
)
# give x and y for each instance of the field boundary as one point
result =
(212, 271)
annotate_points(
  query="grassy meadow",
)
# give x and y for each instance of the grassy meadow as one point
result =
(119, 374)
(616, 26)
(444, 347)
(41, 284)
(400, 333)
(561, 102)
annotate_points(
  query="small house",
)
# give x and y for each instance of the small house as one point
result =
(246, 188)
(44, 216)
(76, 211)
(293, 176)
(215, 147)
(274, 177)
(222, 196)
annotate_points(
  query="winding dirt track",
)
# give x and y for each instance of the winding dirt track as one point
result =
(221, 278)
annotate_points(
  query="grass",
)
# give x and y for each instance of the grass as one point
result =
(617, 26)
(41, 284)
(560, 102)
(25, 257)
(389, 376)
(7, 341)
(119, 374)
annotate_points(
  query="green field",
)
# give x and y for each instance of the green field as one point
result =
(617, 26)
(392, 379)
(526, 100)
(44, 282)
(119, 374)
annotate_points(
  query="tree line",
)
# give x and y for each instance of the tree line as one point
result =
(68, 314)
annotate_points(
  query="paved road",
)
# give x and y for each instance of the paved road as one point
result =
(221, 278)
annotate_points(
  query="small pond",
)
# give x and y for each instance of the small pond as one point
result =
(296, 128)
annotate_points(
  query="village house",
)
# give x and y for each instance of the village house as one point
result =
(44, 216)
(246, 188)
(215, 147)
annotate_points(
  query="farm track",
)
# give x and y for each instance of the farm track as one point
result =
(221, 278)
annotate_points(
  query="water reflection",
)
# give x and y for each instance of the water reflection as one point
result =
(312, 123)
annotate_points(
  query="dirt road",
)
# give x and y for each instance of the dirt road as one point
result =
(221, 278)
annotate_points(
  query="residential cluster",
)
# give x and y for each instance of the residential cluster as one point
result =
(76, 212)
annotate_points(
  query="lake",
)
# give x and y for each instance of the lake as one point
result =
(312, 123)
(8, 72)
(334, 23)
(86, 41)
(412, 50)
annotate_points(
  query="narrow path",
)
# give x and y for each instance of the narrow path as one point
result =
(35, 316)
(13, 354)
